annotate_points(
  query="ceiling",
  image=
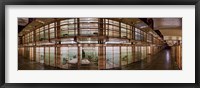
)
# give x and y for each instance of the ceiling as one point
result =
(23, 21)
(37, 22)
(171, 28)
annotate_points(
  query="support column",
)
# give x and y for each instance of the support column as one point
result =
(101, 27)
(133, 52)
(77, 39)
(146, 38)
(34, 53)
(104, 27)
(48, 33)
(127, 53)
(102, 62)
(49, 56)
(55, 55)
(101, 58)
(153, 45)
(34, 47)
(44, 55)
(24, 42)
(78, 26)
(58, 58)
(120, 29)
(79, 59)
(57, 30)
(120, 58)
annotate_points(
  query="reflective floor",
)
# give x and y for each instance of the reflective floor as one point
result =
(26, 64)
(160, 61)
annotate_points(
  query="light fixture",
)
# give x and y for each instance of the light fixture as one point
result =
(40, 21)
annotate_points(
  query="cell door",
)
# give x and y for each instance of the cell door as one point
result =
(41, 55)
(149, 50)
(31, 53)
(37, 54)
(89, 57)
(144, 52)
(47, 50)
(116, 56)
(109, 58)
(130, 55)
(52, 56)
(124, 55)
(26, 53)
(112, 57)
(137, 53)
(64, 57)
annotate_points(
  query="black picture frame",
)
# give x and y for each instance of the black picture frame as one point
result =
(98, 2)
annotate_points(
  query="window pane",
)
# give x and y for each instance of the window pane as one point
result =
(68, 28)
(37, 35)
(89, 26)
(41, 35)
(51, 25)
(46, 34)
(52, 35)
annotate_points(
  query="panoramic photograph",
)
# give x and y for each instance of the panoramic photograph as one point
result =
(89, 43)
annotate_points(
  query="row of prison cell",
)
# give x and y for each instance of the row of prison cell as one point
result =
(88, 57)
(88, 43)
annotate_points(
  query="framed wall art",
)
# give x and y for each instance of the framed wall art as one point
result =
(76, 43)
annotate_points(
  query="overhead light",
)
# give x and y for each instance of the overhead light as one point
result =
(141, 25)
(144, 26)
(40, 21)
(138, 21)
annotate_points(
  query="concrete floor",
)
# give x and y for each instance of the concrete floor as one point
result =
(160, 61)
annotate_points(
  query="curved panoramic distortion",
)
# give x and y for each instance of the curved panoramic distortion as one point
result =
(100, 43)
